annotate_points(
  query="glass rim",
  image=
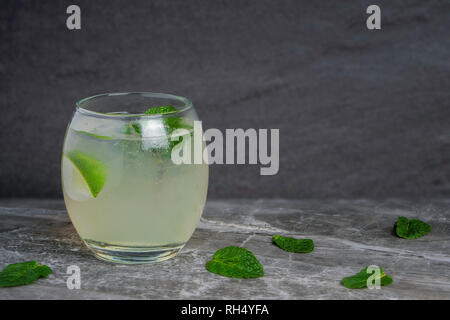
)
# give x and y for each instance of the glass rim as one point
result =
(187, 105)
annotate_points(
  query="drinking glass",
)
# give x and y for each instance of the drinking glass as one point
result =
(127, 199)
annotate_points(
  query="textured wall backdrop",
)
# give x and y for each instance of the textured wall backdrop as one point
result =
(361, 113)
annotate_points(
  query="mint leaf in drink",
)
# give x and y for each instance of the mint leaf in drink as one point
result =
(170, 123)
(293, 245)
(161, 150)
(19, 274)
(132, 128)
(359, 280)
(235, 262)
(163, 110)
(127, 129)
(137, 128)
(412, 228)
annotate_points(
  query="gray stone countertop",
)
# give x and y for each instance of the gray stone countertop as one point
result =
(348, 235)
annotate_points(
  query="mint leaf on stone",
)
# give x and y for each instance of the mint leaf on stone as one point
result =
(359, 280)
(43, 271)
(412, 228)
(235, 262)
(293, 245)
(19, 274)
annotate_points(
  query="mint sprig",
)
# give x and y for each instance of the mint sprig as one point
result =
(19, 274)
(293, 245)
(235, 262)
(359, 280)
(170, 125)
(412, 228)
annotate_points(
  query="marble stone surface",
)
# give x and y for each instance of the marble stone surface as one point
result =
(348, 235)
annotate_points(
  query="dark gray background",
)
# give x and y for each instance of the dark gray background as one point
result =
(361, 113)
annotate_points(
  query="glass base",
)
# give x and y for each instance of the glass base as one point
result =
(133, 255)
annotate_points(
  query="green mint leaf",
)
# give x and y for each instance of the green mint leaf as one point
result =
(19, 274)
(43, 271)
(137, 128)
(161, 110)
(127, 129)
(170, 125)
(359, 280)
(132, 128)
(293, 245)
(412, 228)
(235, 262)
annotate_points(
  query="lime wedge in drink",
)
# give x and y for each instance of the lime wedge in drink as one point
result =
(84, 176)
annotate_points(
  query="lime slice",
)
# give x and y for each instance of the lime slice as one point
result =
(83, 175)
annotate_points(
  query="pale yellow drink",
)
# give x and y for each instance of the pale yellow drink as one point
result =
(143, 207)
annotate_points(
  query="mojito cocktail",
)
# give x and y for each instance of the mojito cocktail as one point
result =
(127, 199)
